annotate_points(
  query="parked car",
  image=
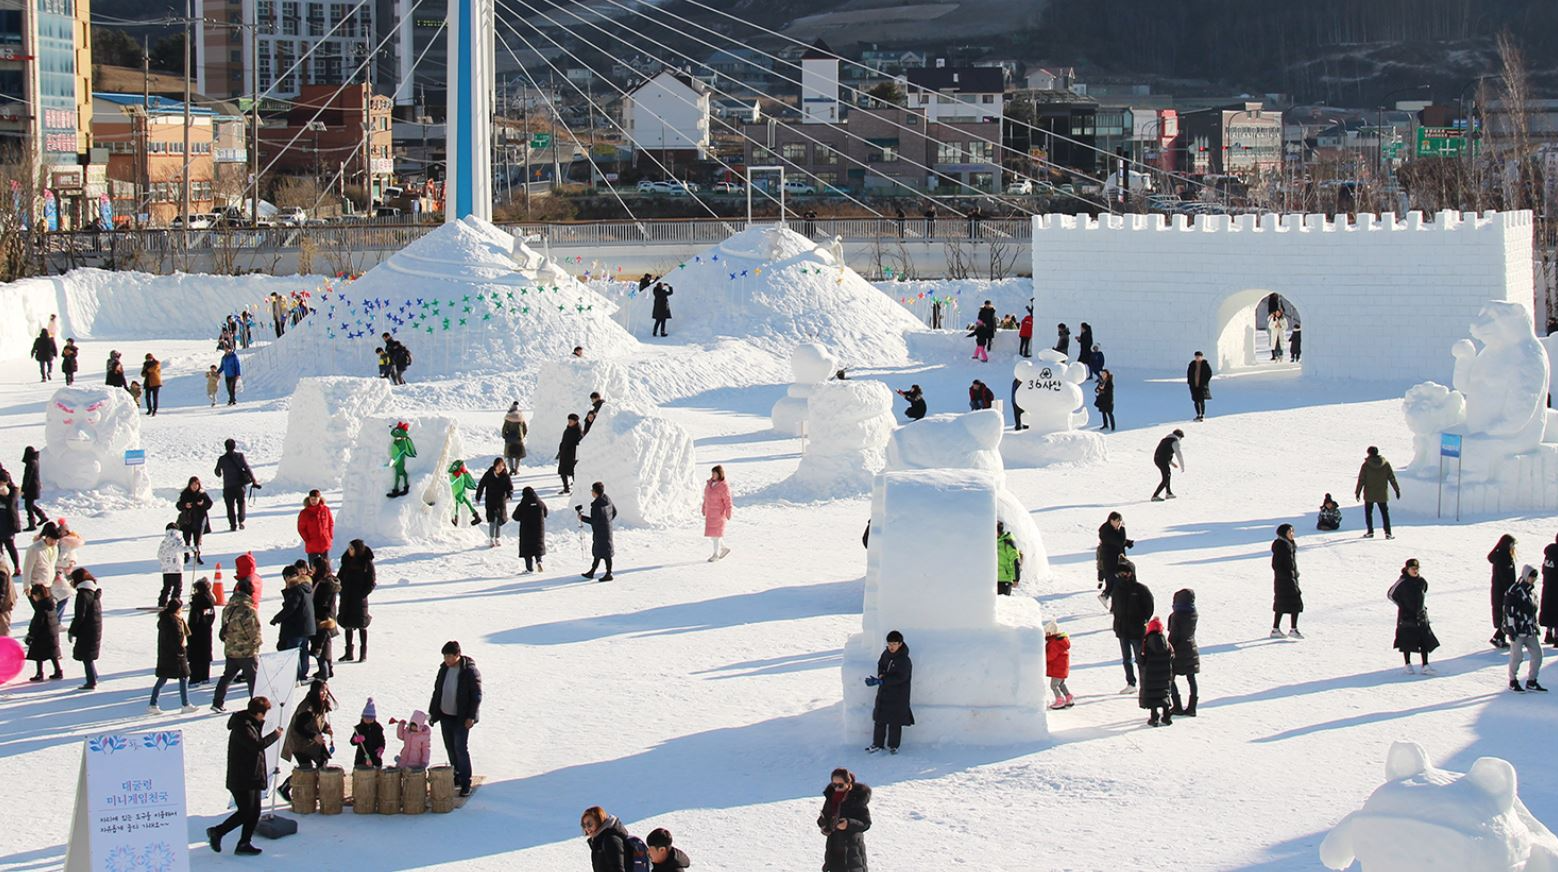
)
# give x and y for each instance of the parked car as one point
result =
(291, 217)
(728, 188)
(1022, 186)
(197, 221)
(386, 212)
(650, 187)
(799, 188)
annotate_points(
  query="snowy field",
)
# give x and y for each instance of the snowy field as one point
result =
(706, 697)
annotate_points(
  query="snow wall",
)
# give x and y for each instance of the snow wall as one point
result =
(422, 515)
(646, 463)
(324, 417)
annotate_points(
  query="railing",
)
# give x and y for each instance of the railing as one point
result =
(89, 245)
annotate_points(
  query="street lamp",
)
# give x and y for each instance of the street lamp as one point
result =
(316, 128)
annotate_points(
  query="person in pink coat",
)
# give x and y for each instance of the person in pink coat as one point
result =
(716, 511)
(417, 741)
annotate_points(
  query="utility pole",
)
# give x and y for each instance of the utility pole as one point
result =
(524, 114)
(551, 84)
(189, 18)
(254, 113)
(144, 176)
(367, 149)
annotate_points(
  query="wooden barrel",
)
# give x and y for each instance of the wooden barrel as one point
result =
(332, 790)
(389, 790)
(365, 790)
(413, 792)
(440, 780)
(305, 790)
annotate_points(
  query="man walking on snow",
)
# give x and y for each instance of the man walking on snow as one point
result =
(1167, 456)
(233, 469)
(1198, 375)
(1375, 481)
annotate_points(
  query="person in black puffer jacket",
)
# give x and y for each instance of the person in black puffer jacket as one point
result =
(846, 815)
(1157, 674)
(202, 618)
(1113, 542)
(296, 617)
(1131, 605)
(608, 841)
(1413, 632)
(1286, 597)
(1187, 654)
(327, 590)
(664, 856)
(531, 514)
(246, 775)
(1503, 559)
(894, 671)
(358, 579)
(86, 627)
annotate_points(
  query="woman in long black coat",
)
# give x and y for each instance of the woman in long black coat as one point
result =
(1187, 652)
(327, 590)
(194, 506)
(1503, 559)
(894, 672)
(531, 515)
(43, 632)
(358, 579)
(602, 513)
(494, 490)
(846, 815)
(1103, 399)
(10, 519)
(568, 453)
(1157, 674)
(32, 488)
(1286, 598)
(202, 618)
(1547, 615)
(1413, 632)
(86, 625)
(172, 655)
(662, 310)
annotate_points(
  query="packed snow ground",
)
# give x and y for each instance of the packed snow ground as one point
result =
(705, 697)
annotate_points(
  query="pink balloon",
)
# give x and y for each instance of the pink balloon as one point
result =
(12, 659)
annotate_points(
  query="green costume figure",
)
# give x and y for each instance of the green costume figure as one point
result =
(401, 447)
(461, 483)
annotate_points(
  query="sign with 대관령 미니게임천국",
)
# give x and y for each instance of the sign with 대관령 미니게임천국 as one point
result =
(130, 804)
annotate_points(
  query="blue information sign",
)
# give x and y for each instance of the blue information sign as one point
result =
(135, 457)
(1449, 445)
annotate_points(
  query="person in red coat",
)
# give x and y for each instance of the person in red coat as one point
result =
(1025, 334)
(316, 525)
(1057, 664)
(716, 511)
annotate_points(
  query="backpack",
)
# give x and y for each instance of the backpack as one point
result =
(405, 355)
(638, 854)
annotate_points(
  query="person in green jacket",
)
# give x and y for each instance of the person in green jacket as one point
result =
(461, 484)
(1375, 481)
(401, 447)
(1008, 561)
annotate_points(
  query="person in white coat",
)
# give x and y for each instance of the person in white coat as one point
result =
(173, 555)
(1276, 329)
(40, 565)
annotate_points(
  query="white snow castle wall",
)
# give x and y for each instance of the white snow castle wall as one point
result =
(1379, 298)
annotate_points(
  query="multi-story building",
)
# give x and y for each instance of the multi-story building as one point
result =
(46, 101)
(668, 117)
(957, 94)
(342, 35)
(350, 143)
(1240, 140)
(147, 167)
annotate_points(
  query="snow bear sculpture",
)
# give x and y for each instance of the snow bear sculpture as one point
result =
(86, 431)
(1425, 819)
(811, 365)
(1049, 393)
(1431, 409)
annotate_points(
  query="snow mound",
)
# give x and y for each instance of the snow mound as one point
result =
(1027, 450)
(465, 299)
(563, 388)
(972, 441)
(86, 431)
(930, 574)
(103, 304)
(1425, 818)
(811, 365)
(323, 419)
(421, 515)
(646, 463)
(775, 288)
(848, 426)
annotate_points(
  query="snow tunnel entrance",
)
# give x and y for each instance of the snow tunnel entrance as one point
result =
(1247, 336)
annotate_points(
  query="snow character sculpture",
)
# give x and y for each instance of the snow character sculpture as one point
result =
(1049, 393)
(87, 430)
(401, 447)
(1431, 409)
(1425, 818)
(461, 484)
(811, 365)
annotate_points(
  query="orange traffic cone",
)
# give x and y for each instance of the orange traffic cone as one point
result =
(216, 587)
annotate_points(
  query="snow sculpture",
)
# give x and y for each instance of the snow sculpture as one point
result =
(979, 658)
(1054, 408)
(811, 365)
(848, 425)
(421, 515)
(1509, 461)
(564, 389)
(1050, 394)
(647, 464)
(1425, 819)
(86, 431)
(323, 418)
(971, 441)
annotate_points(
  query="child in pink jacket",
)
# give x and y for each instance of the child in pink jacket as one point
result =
(716, 511)
(417, 747)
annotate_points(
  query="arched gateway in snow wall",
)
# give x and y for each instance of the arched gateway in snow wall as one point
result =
(1381, 296)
